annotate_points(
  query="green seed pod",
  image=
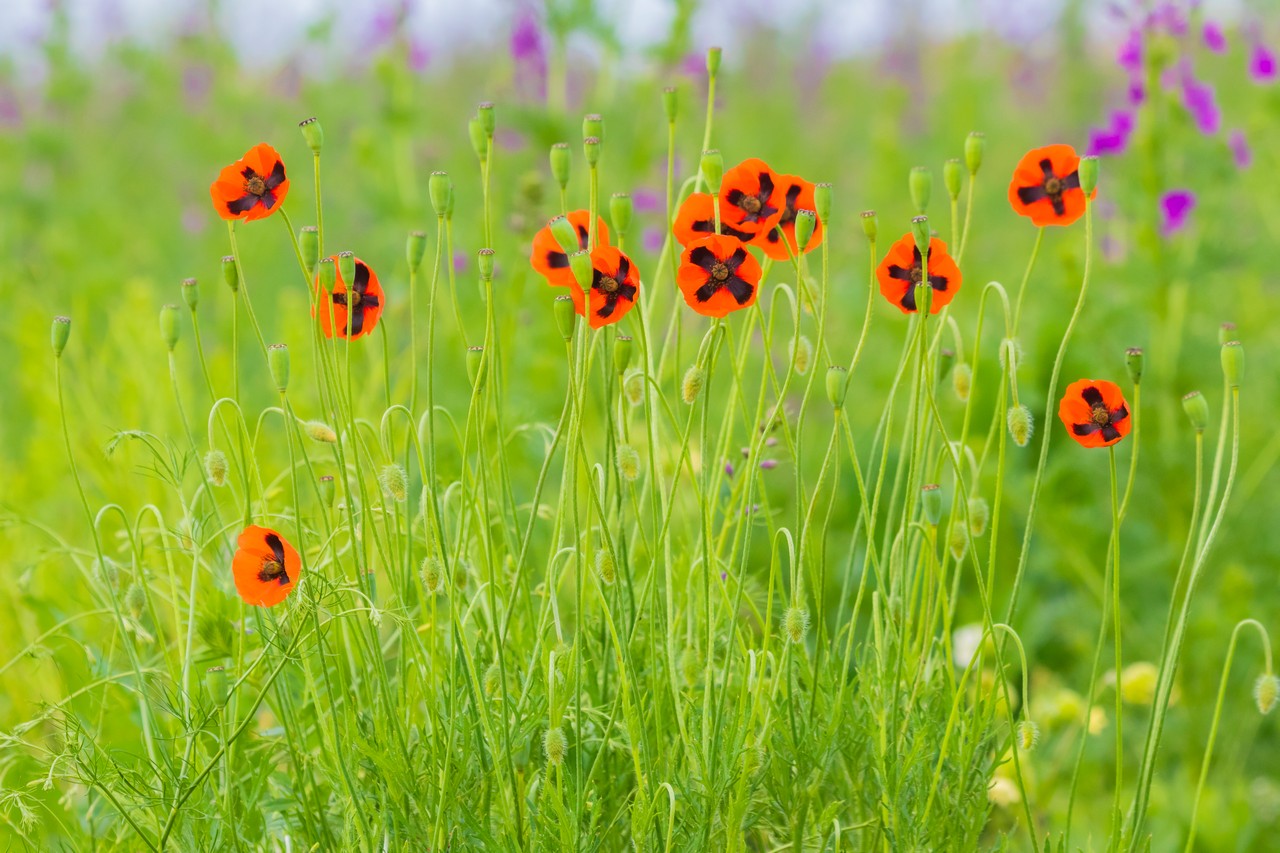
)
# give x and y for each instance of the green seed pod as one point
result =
(628, 463)
(583, 271)
(328, 489)
(555, 745)
(327, 274)
(215, 679)
(347, 267)
(484, 263)
(1227, 332)
(869, 224)
(605, 567)
(806, 222)
(278, 363)
(1197, 410)
(620, 210)
(958, 542)
(822, 201)
(713, 61)
(931, 503)
(670, 104)
(712, 167)
(979, 515)
(415, 247)
(309, 247)
(803, 355)
(1265, 691)
(691, 386)
(623, 347)
(432, 574)
(962, 381)
(633, 387)
(591, 150)
(1232, 362)
(795, 624)
(475, 366)
(493, 680)
(488, 121)
(1088, 172)
(394, 482)
(837, 385)
(1021, 425)
(566, 317)
(920, 231)
(566, 235)
(320, 431)
(593, 125)
(974, 144)
(230, 272)
(479, 139)
(440, 188)
(1027, 734)
(313, 133)
(215, 466)
(952, 178)
(1133, 361)
(191, 293)
(169, 325)
(560, 163)
(920, 184)
(58, 334)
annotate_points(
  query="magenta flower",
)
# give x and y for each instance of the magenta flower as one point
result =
(1175, 209)
(1262, 64)
(652, 239)
(1114, 138)
(1240, 152)
(459, 261)
(646, 201)
(1213, 37)
(530, 53)
(1130, 55)
(1200, 101)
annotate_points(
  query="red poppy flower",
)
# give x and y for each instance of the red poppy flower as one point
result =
(798, 195)
(1046, 186)
(266, 567)
(551, 261)
(751, 197)
(251, 187)
(718, 275)
(899, 273)
(696, 218)
(615, 282)
(365, 297)
(1095, 413)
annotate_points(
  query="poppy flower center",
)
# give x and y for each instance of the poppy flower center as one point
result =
(750, 204)
(1100, 416)
(353, 299)
(1053, 186)
(609, 284)
(917, 275)
(255, 185)
(272, 570)
(720, 272)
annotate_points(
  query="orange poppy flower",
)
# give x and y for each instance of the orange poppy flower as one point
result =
(615, 283)
(1046, 186)
(1095, 413)
(252, 187)
(899, 273)
(266, 567)
(798, 195)
(718, 275)
(551, 261)
(751, 197)
(365, 296)
(696, 218)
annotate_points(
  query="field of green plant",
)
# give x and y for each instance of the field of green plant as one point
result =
(450, 566)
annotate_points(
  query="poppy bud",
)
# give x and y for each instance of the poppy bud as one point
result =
(230, 272)
(1265, 691)
(869, 224)
(190, 293)
(565, 315)
(1133, 360)
(475, 366)
(327, 490)
(560, 163)
(931, 502)
(591, 150)
(1197, 410)
(327, 273)
(606, 567)
(920, 231)
(974, 144)
(958, 542)
(309, 247)
(979, 515)
(1088, 171)
(712, 166)
(440, 188)
(488, 121)
(837, 385)
(1027, 734)
(553, 743)
(479, 139)
(633, 387)
(432, 575)
(313, 133)
(278, 362)
(620, 209)
(1227, 332)
(691, 385)
(58, 335)
(628, 463)
(1021, 425)
(347, 267)
(484, 263)
(669, 104)
(135, 599)
(803, 350)
(795, 624)
(394, 482)
(806, 222)
(321, 432)
(593, 125)
(622, 350)
(822, 201)
(713, 61)
(414, 248)
(962, 381)
(920, 183)
(215, 466)
(1232, 362)
(215, 678)
(583, 271)
(169, 325)
(951, 177)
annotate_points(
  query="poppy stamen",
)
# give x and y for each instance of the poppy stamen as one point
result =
(272, 570)
(720, 271)
(608, 284)
(750, 204)
(255, 185)
(1101, 416)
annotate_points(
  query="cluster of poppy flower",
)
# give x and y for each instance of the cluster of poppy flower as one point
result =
(754, 206)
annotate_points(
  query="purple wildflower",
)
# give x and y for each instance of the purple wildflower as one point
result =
(646, 201)
(1137, 92)
(1199, 100)
(1175, 208)
(768, 464)
(652, 239)
(419, 55)
(1168, 17)
(728, 469)
(1240, 152)
(1213, 37)
(1114, 138)
(529, 52)
(459, 261)
(1130, 56)
(1262, 64)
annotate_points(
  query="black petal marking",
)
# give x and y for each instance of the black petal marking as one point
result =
(280, 574)
(703, 257)
(1092, 396)
(276, 178)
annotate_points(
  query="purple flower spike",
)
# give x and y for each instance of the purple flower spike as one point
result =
(530, 53)
(1262, 64)
(1240, 152)
(459, 261)
(1114, 138)
(1175, 209)
(1130, 55)
(1199, 100)
(652, 239)
(646, 201)
(1213, 37)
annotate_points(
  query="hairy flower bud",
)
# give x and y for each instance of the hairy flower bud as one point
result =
(1021, 425)
(1265, 691)
(555, 745)
(979, 516)
(215, 466)
(628, 463)
(803, 355)
(691, 386)
(962, 380)
(1027, 734)
(795, 623)
(605, 567)
(394, 482)
(319, 431)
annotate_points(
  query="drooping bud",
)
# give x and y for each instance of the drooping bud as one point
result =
(962, 380)
(620, 210)
(952, 177)
(1265, 692)
(1088, 171)
(479, 139)
(58, 335)
(628, 463)
(920, 183)
(605, 567)
(475, 366)
(555, 745)
(979, 515)
(440, 188)
(869, 224)
(215, 466)
(347, 267)
(191, 293)
(713, 61)
(1021, 425)
(958, 542)
(328, 490)
(394, 482)
(591, 150)
(1197, 410)
(974, 144)
(822, 201)
(415, 247)
(230, 272)
(566, 317)
(583, 271)
(691, 386)
(803, 355)
(837, 385)
(488, 121)
(1232, 362)
(484, 263)
(622, 352)
(278, 363)
(633, 387)
(169, 325)
(593, 125)
(1133, 361)
(313, 133)
(135, 599)
(712, 167)
(1027, 734)
(795, 624)
(320, 431)
(670, 104)
(560, 163)
(432, 575)
(931, 503)
(806, 222)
